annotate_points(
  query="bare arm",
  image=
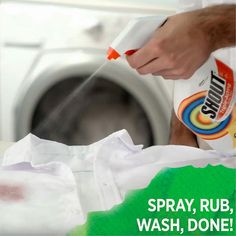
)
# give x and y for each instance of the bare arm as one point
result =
(181, 46)
(219, 23)
(185, 42)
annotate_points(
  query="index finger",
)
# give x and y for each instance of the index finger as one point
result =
(144, 55)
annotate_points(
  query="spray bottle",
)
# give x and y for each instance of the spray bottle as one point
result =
(205, 103)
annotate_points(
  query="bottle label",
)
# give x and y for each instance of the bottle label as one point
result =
(189, 113)
(205, 104)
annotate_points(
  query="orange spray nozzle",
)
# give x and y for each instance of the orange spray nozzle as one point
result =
(112, 54)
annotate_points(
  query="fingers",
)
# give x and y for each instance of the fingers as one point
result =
(173, 77)
(164, 68)
(147, 53)
(144, 55)
(157, 65)
(169, 76)
(176, 77)
(174, 74)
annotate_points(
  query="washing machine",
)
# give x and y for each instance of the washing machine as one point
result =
(48, 50)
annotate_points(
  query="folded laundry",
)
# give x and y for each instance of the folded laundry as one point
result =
(47, 187)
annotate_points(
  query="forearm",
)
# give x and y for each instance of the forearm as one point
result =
(218, 24)
(178, 48)
(181, 135)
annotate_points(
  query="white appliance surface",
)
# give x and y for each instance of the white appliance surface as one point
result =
(29, 28)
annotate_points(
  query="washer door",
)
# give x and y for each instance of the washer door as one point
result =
(101, 108)
(116, 99)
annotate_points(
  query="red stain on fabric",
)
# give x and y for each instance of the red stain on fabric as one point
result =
(11, 192)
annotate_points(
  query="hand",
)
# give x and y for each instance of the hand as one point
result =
(185, 42)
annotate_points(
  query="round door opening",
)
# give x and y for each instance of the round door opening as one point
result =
(94, 112)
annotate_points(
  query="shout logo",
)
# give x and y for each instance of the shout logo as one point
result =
(214, 97)
(218, 102)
